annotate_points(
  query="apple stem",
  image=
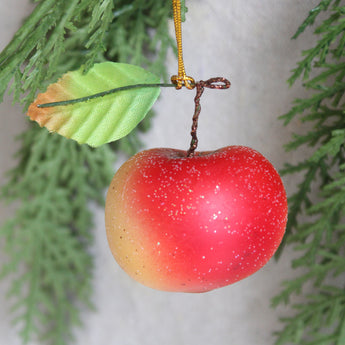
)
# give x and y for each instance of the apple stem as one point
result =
(219, 83)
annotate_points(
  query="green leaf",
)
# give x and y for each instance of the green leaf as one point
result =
(89, 110)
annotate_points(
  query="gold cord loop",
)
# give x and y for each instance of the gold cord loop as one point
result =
(181, 79)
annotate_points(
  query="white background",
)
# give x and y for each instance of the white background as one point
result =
(249, 43)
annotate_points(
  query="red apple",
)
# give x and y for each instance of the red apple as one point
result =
(194, 224)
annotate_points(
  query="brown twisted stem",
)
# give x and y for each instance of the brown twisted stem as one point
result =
(218, 83)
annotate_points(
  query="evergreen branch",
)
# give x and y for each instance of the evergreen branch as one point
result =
(41, 41)
(330, 71)
(322, 243)
(314, 102)
(313, 14)
(332, 147)
(316, 227)
(44, 238)
(26, 30)
(321, 49)
(323, 114)
(47, 241)
(101, 18)
(300, 200)
(327, 309)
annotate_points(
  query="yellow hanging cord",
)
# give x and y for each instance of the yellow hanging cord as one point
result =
(181, 79)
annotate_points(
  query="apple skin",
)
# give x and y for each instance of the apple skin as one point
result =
(194, 224)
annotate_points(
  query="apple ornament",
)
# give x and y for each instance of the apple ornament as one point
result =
(194, 224)
(188, 221)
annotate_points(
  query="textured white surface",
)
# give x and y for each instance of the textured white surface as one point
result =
(249, 43)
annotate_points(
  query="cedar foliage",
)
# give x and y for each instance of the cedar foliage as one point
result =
(48, 239)
(316, 227)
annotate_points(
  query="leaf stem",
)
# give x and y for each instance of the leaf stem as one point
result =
(100, 94)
